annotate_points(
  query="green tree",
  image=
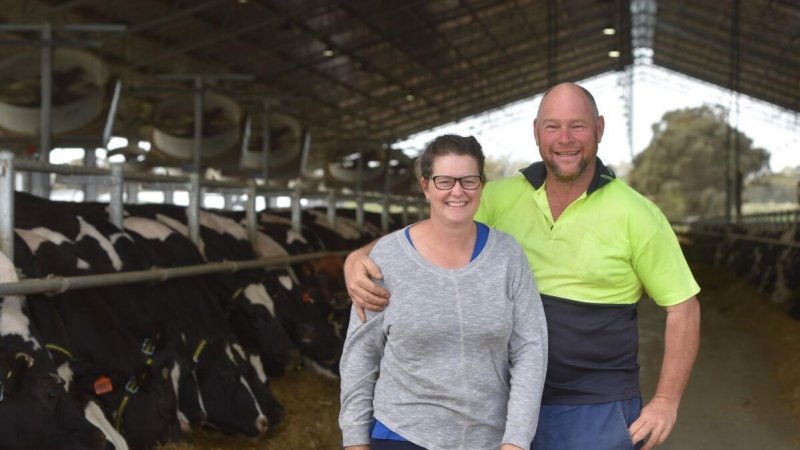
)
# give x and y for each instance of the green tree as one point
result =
(683, 167)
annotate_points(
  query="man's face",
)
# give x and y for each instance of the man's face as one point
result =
(567, 133)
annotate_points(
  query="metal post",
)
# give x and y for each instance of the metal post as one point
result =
(115, 205)
(41, 181)
(250, 214)
(385, 214)
(386, 192)
(193, 210)
(132, 193)
(360, 190)
(405, 205)
(266, 145)
(7, 204)
(332, 208)
(89, 189)
(169, 196)
(296, 212)
(198, 125)
(421, 210)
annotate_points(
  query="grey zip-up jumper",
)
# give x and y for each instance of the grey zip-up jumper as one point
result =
(458, 358)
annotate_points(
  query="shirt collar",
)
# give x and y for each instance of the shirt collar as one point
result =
(536, 173)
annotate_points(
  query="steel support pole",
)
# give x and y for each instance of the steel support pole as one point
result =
(332, 208)
(250, 214)
(7, 204)
(266, 145)
(360, 190)
(296, 210)
(41, 181)
(89, 189)
(132, 193)
(197, 148)
(193, 210)
(116, 205)
(385, 213)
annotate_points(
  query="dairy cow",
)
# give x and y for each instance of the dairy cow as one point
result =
(231, 402)
(35, 410)
(209, 358)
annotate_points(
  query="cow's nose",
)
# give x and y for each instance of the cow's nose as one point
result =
(262, 425)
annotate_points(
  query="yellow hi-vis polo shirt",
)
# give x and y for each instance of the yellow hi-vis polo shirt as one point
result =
(591, 266)
(606, 247)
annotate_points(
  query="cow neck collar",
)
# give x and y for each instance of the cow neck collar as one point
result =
(131, 388)
(537, 172)
(57, 348)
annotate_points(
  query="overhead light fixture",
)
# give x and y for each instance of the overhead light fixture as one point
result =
(613, 54)
(410, 97)
(328, 53)
(242, 2)
(609, 31)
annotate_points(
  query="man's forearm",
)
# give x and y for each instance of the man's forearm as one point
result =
(681, 343)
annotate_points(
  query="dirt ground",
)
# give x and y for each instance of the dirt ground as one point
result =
(744, 392)
(745, 389)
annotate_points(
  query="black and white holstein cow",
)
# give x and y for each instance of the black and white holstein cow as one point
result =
(98, 356)
(268, 293)
(209, 360)
(322, 280)
(235, 399)
(36, 412)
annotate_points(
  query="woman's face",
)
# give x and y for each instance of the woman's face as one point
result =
(456, 205)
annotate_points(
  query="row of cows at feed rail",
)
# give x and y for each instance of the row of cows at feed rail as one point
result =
(135, 365)
(767, 256)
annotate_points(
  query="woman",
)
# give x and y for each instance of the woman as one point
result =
(457, 360)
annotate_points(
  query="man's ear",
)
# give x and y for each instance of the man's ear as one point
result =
(601, 126)
(535, 134)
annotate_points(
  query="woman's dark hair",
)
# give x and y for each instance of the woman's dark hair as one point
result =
(445, 145)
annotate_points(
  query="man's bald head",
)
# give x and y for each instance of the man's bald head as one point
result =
(575, 87)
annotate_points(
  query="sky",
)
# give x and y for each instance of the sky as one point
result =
(508, 132)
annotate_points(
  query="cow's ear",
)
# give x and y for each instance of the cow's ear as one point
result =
(12, 376)
(28, 359)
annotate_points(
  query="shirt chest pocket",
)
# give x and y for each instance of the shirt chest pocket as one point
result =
(597, 254)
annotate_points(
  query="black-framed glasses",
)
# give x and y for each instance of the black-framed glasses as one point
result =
(446, 182)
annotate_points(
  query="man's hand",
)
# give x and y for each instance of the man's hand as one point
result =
(681, 342)
(357, 447)
(654, 423)
(359, 270)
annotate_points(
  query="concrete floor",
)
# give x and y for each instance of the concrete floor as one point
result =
(733, 401)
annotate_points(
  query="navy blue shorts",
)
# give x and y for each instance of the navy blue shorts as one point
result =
(601, 426)
(388, 444)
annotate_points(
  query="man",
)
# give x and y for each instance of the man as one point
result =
(595, 246)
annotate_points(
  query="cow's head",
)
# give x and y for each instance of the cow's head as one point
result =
(35, 410)
(225, 392)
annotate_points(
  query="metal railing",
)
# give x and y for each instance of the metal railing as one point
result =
(62, 284)
(116, 178)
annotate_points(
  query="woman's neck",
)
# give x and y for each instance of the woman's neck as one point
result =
(445, 245)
